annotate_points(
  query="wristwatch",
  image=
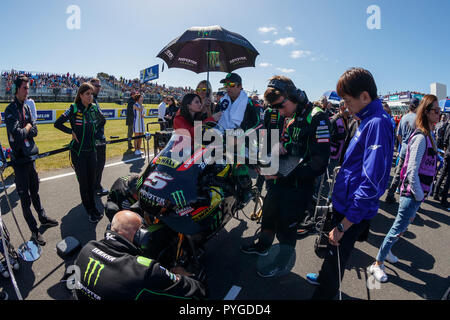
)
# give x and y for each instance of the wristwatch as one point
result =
(340, 227)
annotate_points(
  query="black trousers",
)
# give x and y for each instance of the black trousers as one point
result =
(329, 274)
(101, 159)
(27, 186)
(130, 135)
(444, 175)
(85, 166)
(283, 207)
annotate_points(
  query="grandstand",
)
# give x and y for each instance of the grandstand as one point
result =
(50, 87)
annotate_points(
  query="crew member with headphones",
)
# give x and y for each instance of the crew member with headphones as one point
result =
(113, 269)
(22, 130)
(82, 147)
(304, 132)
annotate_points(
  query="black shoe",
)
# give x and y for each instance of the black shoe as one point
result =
(436, 197)
(101, 192)
(93, 217)
(390, 199)
(258, 249)
(38, 238)
(49, 222)
(3, 295)
(98, 214)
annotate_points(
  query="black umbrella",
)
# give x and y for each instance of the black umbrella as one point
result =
(205, 49)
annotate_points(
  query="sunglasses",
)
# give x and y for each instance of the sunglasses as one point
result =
(98, 86)
(436, 110)
(230, 84)
(201, 89)
(279, 105)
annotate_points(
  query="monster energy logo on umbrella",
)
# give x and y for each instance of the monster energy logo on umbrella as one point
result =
(214, 58)
(180, 201)
(94, 267)
(203, 33)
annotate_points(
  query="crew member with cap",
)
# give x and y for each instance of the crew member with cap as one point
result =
(113, 269)
(405, 128)
(239, 112)
(304, 133)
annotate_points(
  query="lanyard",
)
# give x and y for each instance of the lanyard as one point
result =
(23, 115)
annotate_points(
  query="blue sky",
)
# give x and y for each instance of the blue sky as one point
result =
(312, 42)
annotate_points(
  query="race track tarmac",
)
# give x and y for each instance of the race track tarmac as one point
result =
(422, 273)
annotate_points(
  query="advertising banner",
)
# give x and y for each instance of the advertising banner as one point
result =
(149, 74)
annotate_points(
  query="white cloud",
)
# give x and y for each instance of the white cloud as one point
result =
(300, 54)
(265, 64)
(265, 30)
(285, 41)
(289, 29)
(285, 70)
(266, 41)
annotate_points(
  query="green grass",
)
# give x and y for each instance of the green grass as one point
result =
(66, 105)
(49, 138)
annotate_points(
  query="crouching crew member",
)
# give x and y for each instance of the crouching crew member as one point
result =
(112, 269)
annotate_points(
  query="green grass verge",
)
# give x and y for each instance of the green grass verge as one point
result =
(66, 105)
(49, 138)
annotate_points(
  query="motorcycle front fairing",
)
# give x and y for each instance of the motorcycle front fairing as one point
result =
(172, 192)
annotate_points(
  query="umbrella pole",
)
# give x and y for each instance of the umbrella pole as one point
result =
(207, 72)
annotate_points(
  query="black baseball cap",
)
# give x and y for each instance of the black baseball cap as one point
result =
(232, 77)
(414, 102)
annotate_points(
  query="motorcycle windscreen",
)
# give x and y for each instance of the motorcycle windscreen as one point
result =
(171, 189)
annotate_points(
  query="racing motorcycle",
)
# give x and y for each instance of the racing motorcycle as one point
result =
(186, 202)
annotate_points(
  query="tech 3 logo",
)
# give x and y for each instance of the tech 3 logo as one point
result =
(180, 200)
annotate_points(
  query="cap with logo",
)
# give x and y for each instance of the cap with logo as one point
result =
(232, 77)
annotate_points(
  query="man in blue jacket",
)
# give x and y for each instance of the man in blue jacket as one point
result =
(362, 179)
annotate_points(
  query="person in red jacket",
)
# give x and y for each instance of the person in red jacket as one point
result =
(190, 111)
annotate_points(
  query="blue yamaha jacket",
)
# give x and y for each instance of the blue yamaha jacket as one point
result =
(365, 171)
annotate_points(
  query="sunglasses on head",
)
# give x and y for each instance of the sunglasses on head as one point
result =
(230, 84)
(279, 105)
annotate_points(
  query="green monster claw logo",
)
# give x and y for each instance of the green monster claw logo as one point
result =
(96, 264)
(203, 34)
(214, 58)
(180, 201)
(295, 133)
(139, 182)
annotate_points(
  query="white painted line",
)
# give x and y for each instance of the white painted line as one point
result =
(72, 173)
(233, 293)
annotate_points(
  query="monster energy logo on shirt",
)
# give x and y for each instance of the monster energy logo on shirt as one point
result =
(295, 133)
(180, 201)
(95, 264)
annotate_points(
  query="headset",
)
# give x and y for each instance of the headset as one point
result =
(294, 94)
(140, 239)
(18, 82)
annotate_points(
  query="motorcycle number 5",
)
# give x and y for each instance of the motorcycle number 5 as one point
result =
(157, 180)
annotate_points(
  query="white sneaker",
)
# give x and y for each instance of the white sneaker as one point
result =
(391, 258)
(378, 272)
